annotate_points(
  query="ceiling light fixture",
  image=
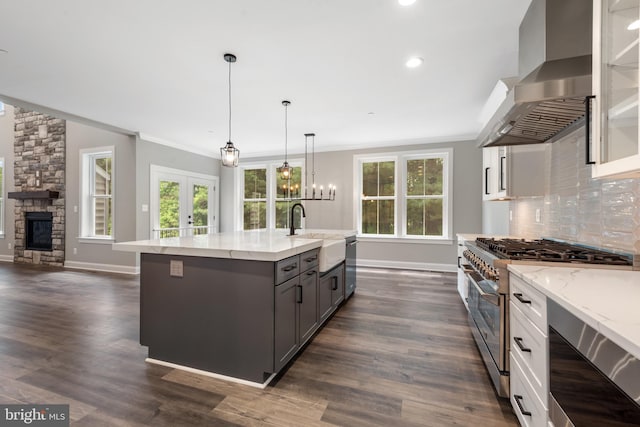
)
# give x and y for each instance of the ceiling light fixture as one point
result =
(285, 170)
(414, 62)
(229, 154)
(635, 25)
(406, 2)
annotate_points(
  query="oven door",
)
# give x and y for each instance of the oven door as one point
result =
(485, 308)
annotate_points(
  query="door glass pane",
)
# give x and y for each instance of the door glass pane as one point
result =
(200, 216)
(621, 28)
(255, 215)
(424, 217)
(169, 205)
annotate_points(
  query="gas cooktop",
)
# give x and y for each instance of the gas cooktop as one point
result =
(550, 250)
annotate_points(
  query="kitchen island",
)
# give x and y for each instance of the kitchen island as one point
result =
(236, 305)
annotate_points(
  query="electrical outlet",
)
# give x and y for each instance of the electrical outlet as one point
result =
(75, 251)
(10, 245)
(537, 215)
(75, 209)
(145, 208)
(510, 215)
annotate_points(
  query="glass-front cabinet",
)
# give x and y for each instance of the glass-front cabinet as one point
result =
(615, 142)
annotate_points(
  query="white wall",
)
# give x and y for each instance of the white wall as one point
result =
(100, 255)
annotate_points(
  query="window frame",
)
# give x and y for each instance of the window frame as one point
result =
(88, 157)
(401, 197)
(271, 167)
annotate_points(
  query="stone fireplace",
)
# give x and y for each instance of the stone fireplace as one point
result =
(39, 174)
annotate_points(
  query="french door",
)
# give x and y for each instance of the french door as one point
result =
(182, 203)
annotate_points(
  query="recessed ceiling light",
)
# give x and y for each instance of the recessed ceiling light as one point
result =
(414, 62)
(406, 2)
(371, 113)
(634, 25)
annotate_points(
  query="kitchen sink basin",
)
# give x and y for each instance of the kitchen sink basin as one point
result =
(332, 251)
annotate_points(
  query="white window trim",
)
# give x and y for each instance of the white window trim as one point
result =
(2, 109)
(86, 182)
(400, 205)
(270, 166)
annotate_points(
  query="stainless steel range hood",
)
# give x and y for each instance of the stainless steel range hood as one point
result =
(555, 70)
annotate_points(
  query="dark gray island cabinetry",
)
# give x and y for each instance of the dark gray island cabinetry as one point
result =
(237, 318)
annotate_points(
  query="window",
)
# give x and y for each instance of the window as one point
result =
(1, 196)
(404, 195)
(1, 108)
(97, 193)
(266, 196)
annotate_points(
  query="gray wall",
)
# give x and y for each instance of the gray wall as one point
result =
(149, 153)
(81, 136)
(336, 167)
(6, 151)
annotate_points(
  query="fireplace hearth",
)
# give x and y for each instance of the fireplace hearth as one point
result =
(39, 231)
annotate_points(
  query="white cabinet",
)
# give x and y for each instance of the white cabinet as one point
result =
(515, 171)
(615, 143)
(529, 353)
(463, 284)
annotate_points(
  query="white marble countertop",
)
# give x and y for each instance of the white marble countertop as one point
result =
(606, 300)
(258, 245)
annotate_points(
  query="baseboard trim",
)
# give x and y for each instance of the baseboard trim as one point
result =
(403, 265)
(261, 386)
(109, 268)
(6, 258)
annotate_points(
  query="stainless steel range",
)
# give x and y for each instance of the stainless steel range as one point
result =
(485, 266)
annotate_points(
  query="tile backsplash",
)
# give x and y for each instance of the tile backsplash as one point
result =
(598, 212)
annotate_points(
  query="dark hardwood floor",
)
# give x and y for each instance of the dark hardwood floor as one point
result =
(397, 354)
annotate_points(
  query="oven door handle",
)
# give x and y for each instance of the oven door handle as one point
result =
(490, 298)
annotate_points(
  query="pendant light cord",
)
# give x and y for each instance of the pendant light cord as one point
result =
(285, 132)
(229, 100)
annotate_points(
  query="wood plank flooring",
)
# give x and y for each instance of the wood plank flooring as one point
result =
(399, 353)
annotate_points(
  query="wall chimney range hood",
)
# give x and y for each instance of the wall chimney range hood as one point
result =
(554, 66)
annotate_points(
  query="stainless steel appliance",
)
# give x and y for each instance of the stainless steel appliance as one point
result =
(592, 381)
(350, 270)
(485, 264)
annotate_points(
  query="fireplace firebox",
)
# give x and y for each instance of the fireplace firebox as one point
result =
(38, 230)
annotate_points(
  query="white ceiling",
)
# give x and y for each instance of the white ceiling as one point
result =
(156, 67)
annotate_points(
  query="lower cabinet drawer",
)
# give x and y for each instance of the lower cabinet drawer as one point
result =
(530, 347)
(287, 268)
(526, 404)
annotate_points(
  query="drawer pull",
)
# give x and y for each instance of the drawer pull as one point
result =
(290, 267)
(518, 341)
(518, 398)
(311, 273)
(311, 259)
(521, 299)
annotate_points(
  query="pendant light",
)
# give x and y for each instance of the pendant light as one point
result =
(286, 172)
(229, 154)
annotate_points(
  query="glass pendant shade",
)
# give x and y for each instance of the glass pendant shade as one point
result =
(286, 171)
(229, 155)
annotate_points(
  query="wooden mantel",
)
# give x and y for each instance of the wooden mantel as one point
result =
(45, 194)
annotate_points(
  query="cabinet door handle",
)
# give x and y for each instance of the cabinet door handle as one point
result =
(311, 273)
(353, 243)
(502, 162)
(290, 267)
(518, 341)
(518, 398)
(459, 258)
(299, 294)
(486, 180)
(334, 286)
(587, 129)
(521, 299)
